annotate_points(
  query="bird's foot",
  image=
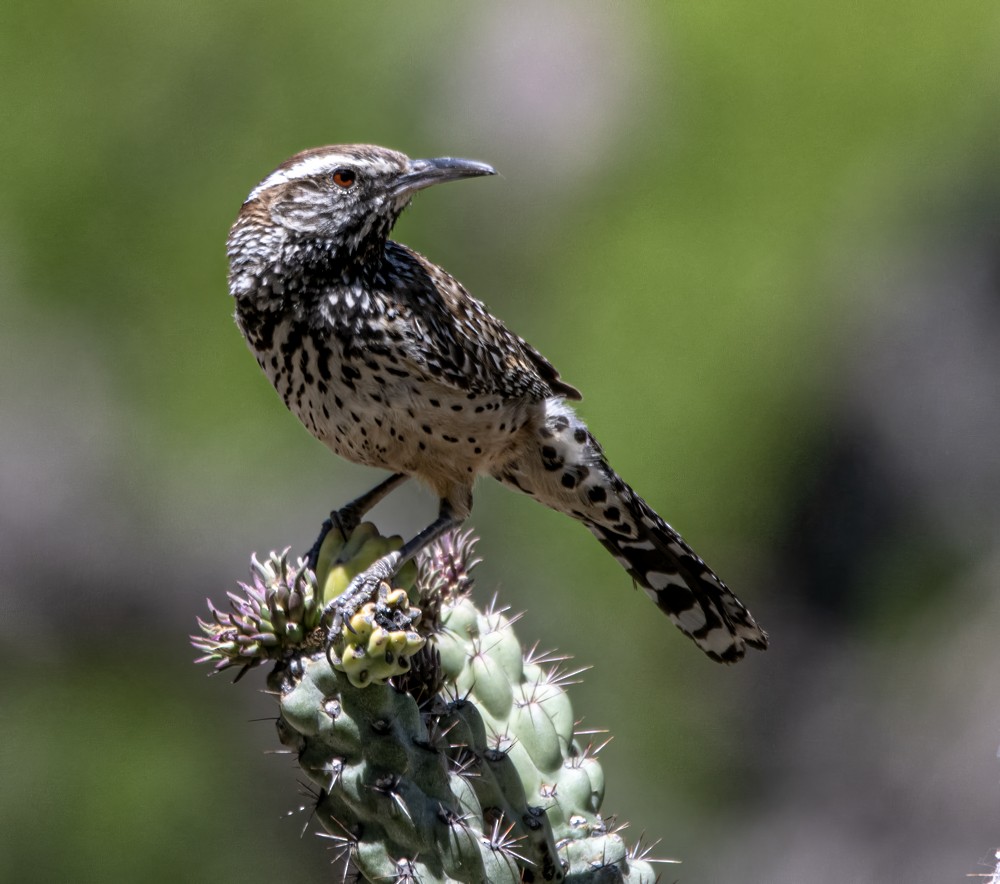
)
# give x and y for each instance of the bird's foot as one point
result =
(372, 632)
(370, 585)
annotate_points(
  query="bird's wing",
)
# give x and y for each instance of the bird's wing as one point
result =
(454, 338)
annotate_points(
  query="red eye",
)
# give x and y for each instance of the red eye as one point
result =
(344, 177)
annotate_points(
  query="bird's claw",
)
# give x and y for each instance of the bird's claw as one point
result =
(368, 586)
(344, 521)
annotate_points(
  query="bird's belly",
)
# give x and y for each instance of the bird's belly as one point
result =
(438, 438)
(381, 415)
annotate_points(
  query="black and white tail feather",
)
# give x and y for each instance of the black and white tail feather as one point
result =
(570, 474)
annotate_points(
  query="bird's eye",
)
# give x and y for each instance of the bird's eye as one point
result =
(344, 177)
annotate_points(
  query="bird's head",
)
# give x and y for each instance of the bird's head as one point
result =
(349, 196)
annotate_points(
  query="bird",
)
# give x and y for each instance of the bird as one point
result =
(389, 361)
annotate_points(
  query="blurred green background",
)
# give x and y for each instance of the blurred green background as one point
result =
(761, 238)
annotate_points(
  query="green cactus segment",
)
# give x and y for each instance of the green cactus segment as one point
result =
(387, 792)
(465, 767)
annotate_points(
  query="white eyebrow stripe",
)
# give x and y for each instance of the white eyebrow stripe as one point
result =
(311, 166)
(306, 168)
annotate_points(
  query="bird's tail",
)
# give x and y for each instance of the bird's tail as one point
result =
(569, 473)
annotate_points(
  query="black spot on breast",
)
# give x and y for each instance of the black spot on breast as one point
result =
(568, 480)
(426, 429)
(597, 494)
(560, 423)
(580, 435)
(291, 345)
(456, 408)
(612, 514)
(322, 358)
(304, 365)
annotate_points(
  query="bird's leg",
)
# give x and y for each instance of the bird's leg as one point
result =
(348, 517)
(365, 586)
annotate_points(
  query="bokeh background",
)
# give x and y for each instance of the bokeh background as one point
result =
(762, 239)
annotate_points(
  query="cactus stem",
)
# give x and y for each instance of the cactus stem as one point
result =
(435, 749)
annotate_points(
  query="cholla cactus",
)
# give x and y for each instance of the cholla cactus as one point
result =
(439, 750)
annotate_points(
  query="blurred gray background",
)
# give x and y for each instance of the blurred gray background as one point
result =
(761, 238)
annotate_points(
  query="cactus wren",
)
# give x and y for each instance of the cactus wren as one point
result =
(390, 362)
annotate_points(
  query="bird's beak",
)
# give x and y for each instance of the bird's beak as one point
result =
(423, 173)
